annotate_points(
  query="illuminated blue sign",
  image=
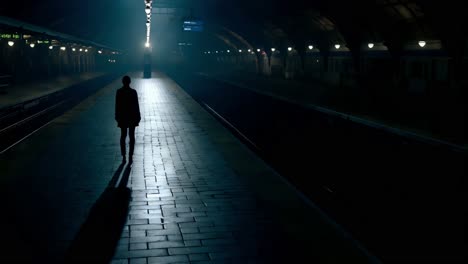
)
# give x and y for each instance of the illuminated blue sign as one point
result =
(195, 26)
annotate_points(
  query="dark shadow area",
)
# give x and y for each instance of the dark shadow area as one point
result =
(98, 237)
(400, 197)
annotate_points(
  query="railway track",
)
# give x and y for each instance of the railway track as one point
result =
(18, 122)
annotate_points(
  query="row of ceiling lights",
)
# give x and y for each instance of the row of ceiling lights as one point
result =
(33, 45)
(51, 47)
(148, 9)
(421, 43)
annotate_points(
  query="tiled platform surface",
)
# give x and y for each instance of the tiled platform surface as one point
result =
(197, 194)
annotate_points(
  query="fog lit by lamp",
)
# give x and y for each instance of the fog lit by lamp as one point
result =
(422, 43)
(337, 46)
(311, 47)
(370, 45)
(11, 43)
(32, 45)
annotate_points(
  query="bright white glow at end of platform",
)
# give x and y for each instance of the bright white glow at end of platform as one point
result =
(311, 47)
(273, 49)
(11, 43)
(289, 49)
(32, 45)
(63, 48)
(422, 43)
(51, 47)
(370, 45)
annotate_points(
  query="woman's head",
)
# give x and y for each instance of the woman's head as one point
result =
(126, 80)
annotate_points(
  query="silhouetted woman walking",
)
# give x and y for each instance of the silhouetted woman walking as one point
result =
(127, 115)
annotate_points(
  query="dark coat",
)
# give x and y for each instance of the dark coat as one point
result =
(127, 110)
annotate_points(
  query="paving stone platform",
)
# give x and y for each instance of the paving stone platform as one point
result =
(195, 193)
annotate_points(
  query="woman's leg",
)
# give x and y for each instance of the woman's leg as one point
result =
(131, 134)
(123, 137)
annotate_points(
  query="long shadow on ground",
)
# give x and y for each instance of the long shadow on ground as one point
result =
(98, 237)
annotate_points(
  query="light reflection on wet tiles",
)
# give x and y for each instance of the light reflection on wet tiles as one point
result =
(187, 203)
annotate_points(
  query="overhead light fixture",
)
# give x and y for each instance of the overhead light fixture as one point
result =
(216, 51)
(258, 50)
(11, 43)
(311, 47)
(100, 51)
(209, 52)
(228, 51)
(337, 46)
(148, 10)
(51, 47)
(32, 45)
(147, 44)
(289, 49)
(370, 45)
(240, 50)
(422, 43)
(63, 48)
(249, 50)
(86, 50)
(73, 49)
(273, 49)
(81, 50)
